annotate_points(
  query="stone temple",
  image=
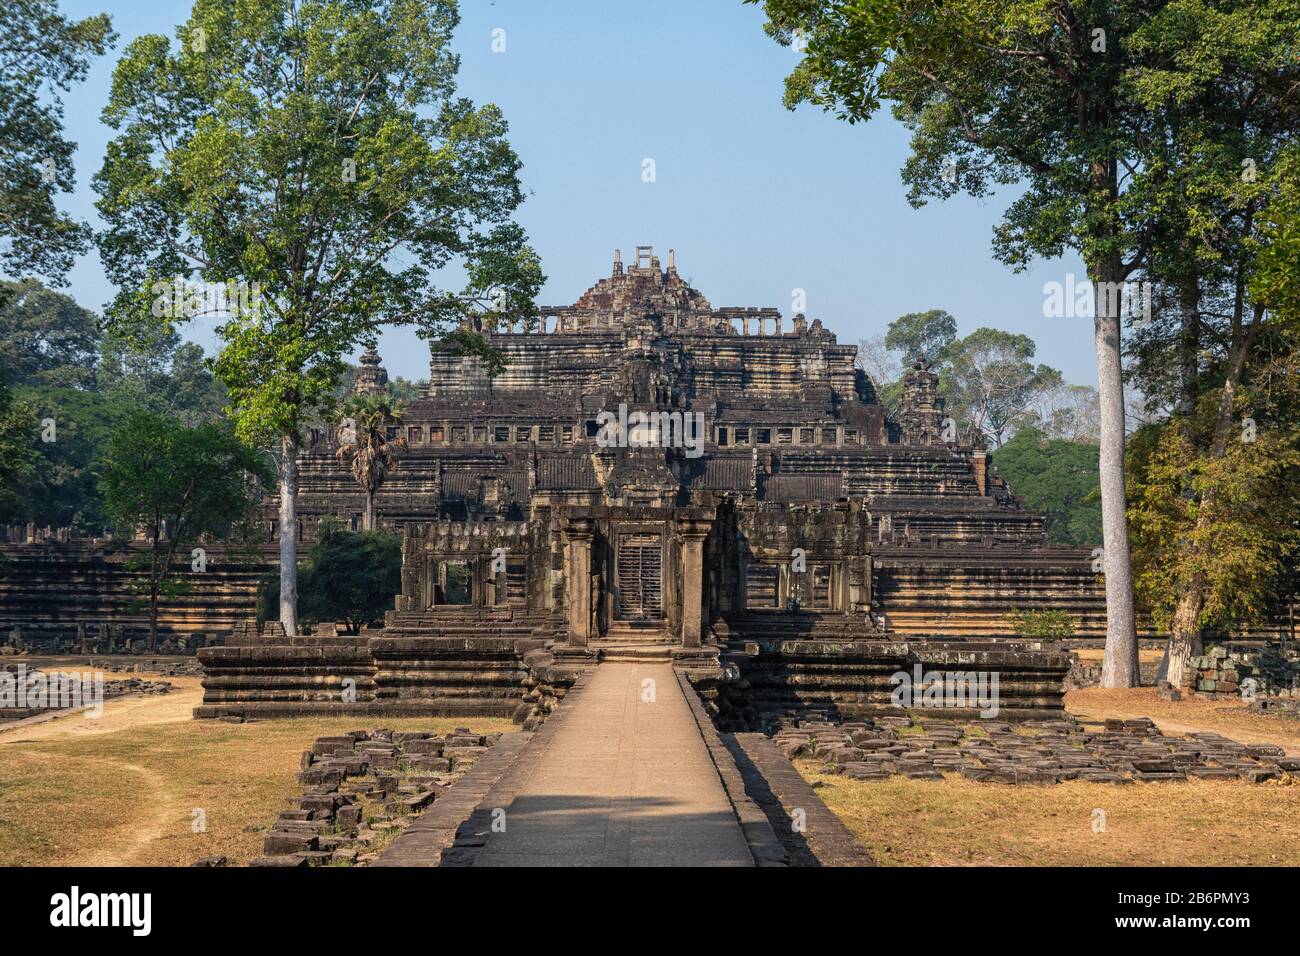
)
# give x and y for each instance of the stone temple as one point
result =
(655, 478)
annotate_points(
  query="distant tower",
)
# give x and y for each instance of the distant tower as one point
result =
(921, 409)
(371, 379)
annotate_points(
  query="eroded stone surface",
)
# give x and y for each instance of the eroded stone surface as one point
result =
(1033, 752)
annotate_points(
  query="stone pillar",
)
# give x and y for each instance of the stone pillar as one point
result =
(693, 533)
(577, 580)
(979, 461)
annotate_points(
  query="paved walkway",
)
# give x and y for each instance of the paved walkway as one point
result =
(626, 781)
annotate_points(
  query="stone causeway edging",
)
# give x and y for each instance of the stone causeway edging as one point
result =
(810, 831)
(764, 845)
(459, 843)
(427, 839)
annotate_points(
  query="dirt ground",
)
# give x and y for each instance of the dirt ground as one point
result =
(145, 784)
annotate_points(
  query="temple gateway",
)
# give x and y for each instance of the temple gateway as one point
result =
(654, 478)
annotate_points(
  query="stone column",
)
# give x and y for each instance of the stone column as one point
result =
(979, 462)
(693, 533)
(577, 580)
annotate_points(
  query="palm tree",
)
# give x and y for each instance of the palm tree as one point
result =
(364, 443)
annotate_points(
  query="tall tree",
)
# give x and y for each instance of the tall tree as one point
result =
(46, 338)
(314, 153)
(17, 455)
(884, 368)
(1042, 94)
(1216, 507)
(928, 333)
(1067, 412)
(161, 372)
(364, 443)
(1217, 515)
(42, 54)
(993, 383)
(1058, 478)
(177, 485)
(73, 428)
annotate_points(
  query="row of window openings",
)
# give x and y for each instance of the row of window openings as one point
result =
(741, 435)
(479, 434)
(355, 522)
(453, 584)
(725, 436)
(762, 587)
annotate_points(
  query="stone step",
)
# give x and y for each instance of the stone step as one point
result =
(659, 652)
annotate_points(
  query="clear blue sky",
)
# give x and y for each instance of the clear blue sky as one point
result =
(756, 200)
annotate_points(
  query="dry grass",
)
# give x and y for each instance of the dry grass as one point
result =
(963, 823)
(121, 790)
(1228, 717)
(1093, 655)
(1199, 823)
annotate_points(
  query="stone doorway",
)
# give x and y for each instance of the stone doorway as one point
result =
(638, 569)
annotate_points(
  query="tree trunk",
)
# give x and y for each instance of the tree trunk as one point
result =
(1185, 631)
(1119, 666)
(370, 511)
(155, 585)
(289, 534)
(153, 618)
(1189, 344)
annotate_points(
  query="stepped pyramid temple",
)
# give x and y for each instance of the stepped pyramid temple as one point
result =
(652, 477)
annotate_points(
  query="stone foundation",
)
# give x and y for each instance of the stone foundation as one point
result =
(505, 672)
(772, 679)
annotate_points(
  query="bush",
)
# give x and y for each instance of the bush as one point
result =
(1050, 625)
(349, 577)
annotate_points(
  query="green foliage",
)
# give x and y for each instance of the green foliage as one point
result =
(1043, 625)
(161, 373)
(992, 383)
(62, 368)
(42, 55)
(928, 334)
(64, 490)
(365, 446)
(46, 338)
(177, 485)
(161, 475)
(1057, 478)
(349, 577)
(1229, 523)
(318, 152)
(18, 459)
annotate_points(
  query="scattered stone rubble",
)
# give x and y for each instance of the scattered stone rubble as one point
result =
(112, 689)
(167, 667)
(1276, 706)
(1034, 752)
(362, 789)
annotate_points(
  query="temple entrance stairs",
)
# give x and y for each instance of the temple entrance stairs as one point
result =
(646, 642)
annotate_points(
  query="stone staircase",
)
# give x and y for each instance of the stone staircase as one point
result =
(634, 642)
